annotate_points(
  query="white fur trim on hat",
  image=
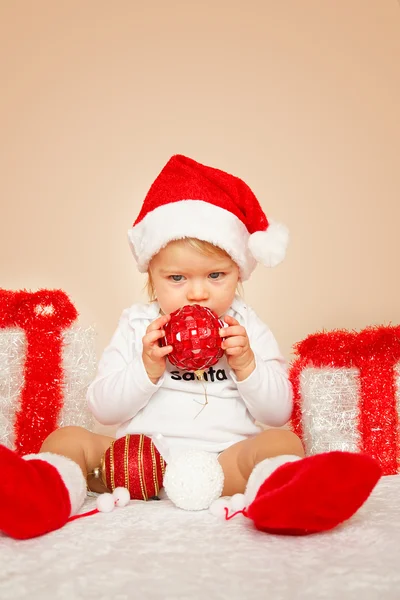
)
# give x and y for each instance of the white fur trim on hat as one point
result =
(193, 480)
(269, 247)
(195, 219)
(262, 471)
(70, 473)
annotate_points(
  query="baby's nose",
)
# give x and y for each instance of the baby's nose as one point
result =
(197, 292)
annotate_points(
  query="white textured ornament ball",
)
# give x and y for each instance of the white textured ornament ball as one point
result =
(105, 503)
(193, 480)
(121, 496)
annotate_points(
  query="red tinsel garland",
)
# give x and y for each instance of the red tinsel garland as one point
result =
(43, 315)
(374, 352)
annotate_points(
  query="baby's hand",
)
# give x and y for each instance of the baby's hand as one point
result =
(154, 356)
(237, 348)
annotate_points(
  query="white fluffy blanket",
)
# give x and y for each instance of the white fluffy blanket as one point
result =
(156, 551)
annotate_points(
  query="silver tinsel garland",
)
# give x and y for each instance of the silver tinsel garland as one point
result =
(79, 366)
(330, 408)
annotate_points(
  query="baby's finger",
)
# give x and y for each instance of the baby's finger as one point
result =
(152, 337)
(230, 320)
(233, 342)
(161, 351)
(158, 323)
(235, 330)
(234, 351)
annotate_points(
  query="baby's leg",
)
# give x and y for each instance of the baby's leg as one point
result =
(239, 460)
(83, 447)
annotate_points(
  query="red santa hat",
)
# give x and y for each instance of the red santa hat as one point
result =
(189, 199)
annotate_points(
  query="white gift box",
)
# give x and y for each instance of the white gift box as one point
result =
(79, 367)
(347, 393)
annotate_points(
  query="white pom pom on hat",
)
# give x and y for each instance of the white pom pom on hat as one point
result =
(269, 247)
(121, 496)
(189, 199)
(107, 502)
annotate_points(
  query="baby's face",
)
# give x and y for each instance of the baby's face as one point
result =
(182, 275)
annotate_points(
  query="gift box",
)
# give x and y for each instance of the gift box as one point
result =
(346, 393)
(46, 364)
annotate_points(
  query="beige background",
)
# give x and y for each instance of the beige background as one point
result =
(299, 98)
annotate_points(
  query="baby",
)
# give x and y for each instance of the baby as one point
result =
(198, 236)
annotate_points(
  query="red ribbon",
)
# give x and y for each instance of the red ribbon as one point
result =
(43, 315)
(374, 352)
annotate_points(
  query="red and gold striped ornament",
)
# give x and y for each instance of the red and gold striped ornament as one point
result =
(133, 462)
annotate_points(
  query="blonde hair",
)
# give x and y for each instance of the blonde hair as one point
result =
(201, 246)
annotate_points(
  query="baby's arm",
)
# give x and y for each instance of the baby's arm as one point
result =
(266, 389)
(122, 386)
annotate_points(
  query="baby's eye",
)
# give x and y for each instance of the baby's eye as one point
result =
(216, 275)
(176, 277)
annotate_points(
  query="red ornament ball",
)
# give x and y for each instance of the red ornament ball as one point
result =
(133, 462)
(193, 331)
